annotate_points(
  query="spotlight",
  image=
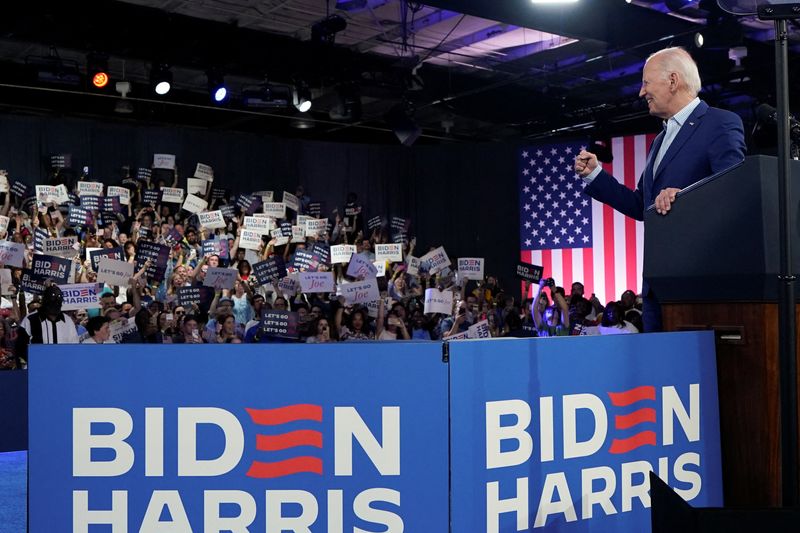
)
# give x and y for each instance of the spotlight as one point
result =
(216, 86)
(698, 40)
(401, 119)
(326, 29)
(161, 79)
(302, 98)
(97, 70)
(268, 96)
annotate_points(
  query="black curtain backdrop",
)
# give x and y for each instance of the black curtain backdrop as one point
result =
(463, 197)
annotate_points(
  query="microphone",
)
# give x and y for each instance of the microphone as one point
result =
(766, 114)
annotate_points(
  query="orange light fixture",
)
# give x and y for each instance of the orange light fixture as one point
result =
(100, 80)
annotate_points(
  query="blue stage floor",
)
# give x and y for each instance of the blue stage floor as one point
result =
(13, 488)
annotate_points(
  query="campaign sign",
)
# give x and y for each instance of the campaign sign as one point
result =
(60, 246)
(172, 195)
(151, 196)
(437, 301)
(12, 254)
(110, 205)
(218, 193)
(286, 229)
(111, 253)
(204, 172)
(187, 296)
(30, 283)
(250, 239)
(18, 188)
(123, 193)
(220, 278)
(45, 194)
(305, 260)
(291, 201)
(115, 272)
(375, 223)
(262, 225)
(380, 269)
(412, 265)
(194, 204)
(39, 235)
(277, 235)
(470, 267)
(275, 210)
(62, 195)
(165, 161)
(316, 226)
(400, 225)
(158, 254)
(124, 331)
(323, 251)
(266, 271)
(361, 291)
(389, 252)
(298, 234)
(79, 216)
(211, 219)
(276, 323)
(196, 186)
(173, 237)
(249, 204)
(360, 267)
(252, 448)
(479, 330)
(341, 253)
(218, 247)
(288, 285)
(437, 260)
(315, 209)
(266, 196)
(44, 267)
(316, 281)
(90, 188)
(80, 296)
(92, 203)
(561, 435)
(528, 272)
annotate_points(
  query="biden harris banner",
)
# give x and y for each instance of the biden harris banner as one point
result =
(169, 440)
(560, 434)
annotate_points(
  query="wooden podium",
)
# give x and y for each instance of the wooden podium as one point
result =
(713, 263)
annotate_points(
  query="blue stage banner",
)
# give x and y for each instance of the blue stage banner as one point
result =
(258, 438)
(560, 434)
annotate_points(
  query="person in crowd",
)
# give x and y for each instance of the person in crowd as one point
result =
(552, 320)
(613, 323)
(48, 325)
(189, 332)
(323, 332)
(355, 328)
(697, 141)
(99, 330)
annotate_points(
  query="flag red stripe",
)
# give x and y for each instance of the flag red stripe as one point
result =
(640, 416)
(588, 271)
(631, 443)
(285, 468)
(566, 267)
(301, 437)
(628, 397)
(630, 224)
(547, 264)
(608, 243)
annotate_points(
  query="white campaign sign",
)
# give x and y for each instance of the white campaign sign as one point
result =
(316, 226)
(470, 267)
(166, 161)
(196, 186)
(193, 204)
(45, 193)
(114, 272)
(220, 278)
(361, 291)
(316, 281)
(277, 234)
(275, 209)
(5, 281)
(360, 267)
(4, 220)
(204, 172)
(298, 234)
(90, 188)
(250, 239)
(60, 246)
(413, 265)
(437, 260)
(479, 330)
(380, 266)
(211, 219)
(61, 194)
(12, 253)
(291, 201)
(172, 195)
(389, 252)
(262, 225)
(80, 296)
(122, 192)
(437, 301)
(266, 196)
(341, 253)
(4, 186)
(289, 285)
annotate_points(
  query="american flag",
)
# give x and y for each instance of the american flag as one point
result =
(572, 236)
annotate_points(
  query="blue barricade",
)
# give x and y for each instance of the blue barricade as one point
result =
(322, 438)
(559, 434)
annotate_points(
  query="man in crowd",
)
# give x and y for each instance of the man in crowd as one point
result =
(48, 325)
(98, 329)
(697, 141)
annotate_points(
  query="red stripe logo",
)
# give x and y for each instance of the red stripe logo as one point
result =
(643, 415)
(286, 441)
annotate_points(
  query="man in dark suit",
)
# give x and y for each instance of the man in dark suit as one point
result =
(697, 141)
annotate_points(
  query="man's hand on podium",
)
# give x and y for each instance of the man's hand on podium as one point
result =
(664, 200)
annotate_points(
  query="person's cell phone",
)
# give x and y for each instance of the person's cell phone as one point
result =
(393, 321)
(195, 334)
(169, 317)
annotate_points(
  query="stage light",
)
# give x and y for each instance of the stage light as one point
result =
(326, 29)
(216, 86)
(302, 98)
(123, 105)
(268, 96)
(97, 70)
(698, 40)
(161, 79)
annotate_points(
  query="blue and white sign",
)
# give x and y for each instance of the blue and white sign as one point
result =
(178, 439)
(560, 434)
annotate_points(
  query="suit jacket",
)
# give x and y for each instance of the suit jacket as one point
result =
(710, 141)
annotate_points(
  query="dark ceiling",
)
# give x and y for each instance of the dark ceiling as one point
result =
(468, 70)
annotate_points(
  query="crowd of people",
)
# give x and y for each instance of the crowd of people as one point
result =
(151, 306)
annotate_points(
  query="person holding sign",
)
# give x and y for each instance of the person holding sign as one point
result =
(550, 321)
